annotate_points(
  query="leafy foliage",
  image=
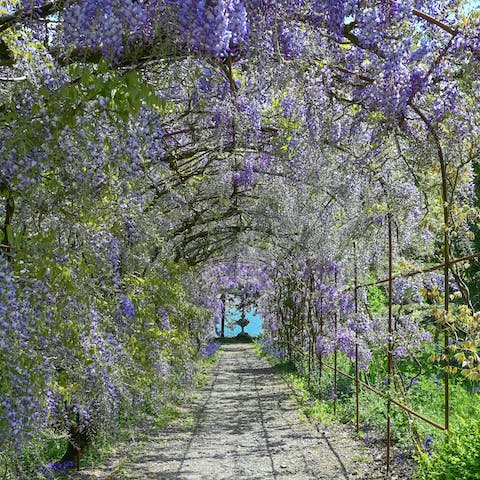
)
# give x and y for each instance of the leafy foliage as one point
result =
(457, 457)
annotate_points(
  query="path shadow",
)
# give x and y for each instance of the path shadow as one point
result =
(245, 427)
(256, 371)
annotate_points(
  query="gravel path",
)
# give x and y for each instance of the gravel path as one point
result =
(245, 425)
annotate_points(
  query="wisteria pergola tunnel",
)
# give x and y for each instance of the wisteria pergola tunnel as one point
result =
(317, 158)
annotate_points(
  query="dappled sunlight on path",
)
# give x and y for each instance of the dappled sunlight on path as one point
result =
(247, 426)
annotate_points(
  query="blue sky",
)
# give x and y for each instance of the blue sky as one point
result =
(471, 5)
(254, 328)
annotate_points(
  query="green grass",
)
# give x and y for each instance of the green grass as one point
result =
(457, 457)
(202, 374)
(166, 416)
(49, 448)
(102, 448)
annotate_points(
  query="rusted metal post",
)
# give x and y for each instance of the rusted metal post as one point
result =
(390, 341)
(446, 255)
(311, 341)
(446, 249)
(320, 355)
(357, 383)
(335, 379)
(222, 332)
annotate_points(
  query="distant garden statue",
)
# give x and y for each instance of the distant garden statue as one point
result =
(243, 322)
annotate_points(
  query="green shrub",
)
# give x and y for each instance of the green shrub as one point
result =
(456, 458)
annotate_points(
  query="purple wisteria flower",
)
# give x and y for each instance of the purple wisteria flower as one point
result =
(210, 348)
(126, 307)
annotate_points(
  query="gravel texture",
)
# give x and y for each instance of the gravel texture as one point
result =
(245, 424)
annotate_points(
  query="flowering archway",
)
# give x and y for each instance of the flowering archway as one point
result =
(155, 154)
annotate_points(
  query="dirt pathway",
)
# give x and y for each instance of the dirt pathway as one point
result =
(247, 426)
